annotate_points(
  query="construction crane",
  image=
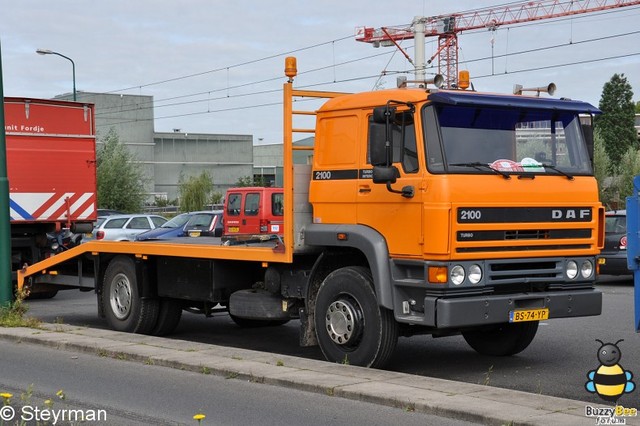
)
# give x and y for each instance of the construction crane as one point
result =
(447, 28)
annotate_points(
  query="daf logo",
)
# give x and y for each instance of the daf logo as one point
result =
(559, 214)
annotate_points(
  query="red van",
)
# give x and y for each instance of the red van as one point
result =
(252, 211)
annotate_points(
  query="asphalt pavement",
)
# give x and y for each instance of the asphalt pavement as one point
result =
(463, 401)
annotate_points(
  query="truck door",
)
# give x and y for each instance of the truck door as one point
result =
(396, 216)
(250, 221)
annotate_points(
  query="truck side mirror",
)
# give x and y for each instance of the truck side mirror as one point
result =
(381, 114)
(380, 140)
(377, 144)
(382, 174)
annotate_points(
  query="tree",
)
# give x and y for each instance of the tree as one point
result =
(601, 167)
(250, 181)
(120, 178)
(616, 124)
(629, 167)
(195, 192)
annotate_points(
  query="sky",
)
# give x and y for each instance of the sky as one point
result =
(218, 66)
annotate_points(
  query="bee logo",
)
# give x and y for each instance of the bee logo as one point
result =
(610, 380)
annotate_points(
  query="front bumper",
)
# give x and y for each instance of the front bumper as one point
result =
(446, 313)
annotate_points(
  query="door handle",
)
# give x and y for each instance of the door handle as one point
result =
(364, 189)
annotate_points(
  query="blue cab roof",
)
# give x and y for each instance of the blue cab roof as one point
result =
(515, 101)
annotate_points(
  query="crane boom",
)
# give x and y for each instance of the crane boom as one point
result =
(447, 27)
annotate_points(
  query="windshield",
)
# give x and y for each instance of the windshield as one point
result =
(482, 140)
(177, 221)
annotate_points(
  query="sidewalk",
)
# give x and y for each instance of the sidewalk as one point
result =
(475, 403)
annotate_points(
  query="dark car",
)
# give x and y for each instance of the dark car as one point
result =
(193, 224)
(204, 224)
(613, 257)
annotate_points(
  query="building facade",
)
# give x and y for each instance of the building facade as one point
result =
(168, 157)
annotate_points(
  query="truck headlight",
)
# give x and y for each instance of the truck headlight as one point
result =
(475, 274)
(586, 270)
(572, 269)
(457, 275)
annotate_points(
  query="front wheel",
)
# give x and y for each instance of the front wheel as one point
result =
(124, 309)
(502, 339)
(351, 327)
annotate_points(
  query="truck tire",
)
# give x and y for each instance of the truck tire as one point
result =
(503, 339)
(350, 325)
(123, 307)
(169, 314)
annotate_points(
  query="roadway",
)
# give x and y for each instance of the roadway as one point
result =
(132, 393)
(556, 363)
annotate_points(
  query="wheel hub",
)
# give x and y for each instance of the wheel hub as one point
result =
(342, 321)
(120, 297)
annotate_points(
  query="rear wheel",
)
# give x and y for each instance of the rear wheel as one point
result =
(351, 327)
(169, 314)
(502, 339)
(124, 309)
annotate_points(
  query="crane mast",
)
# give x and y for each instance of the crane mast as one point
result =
(447, 28)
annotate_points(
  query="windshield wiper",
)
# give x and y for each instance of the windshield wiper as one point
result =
(479, 166)
(557, 170)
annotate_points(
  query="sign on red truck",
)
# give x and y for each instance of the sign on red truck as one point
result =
(51, 160)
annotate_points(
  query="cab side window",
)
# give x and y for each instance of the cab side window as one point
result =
(403, 138)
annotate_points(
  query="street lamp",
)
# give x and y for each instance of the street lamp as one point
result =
(73, 65)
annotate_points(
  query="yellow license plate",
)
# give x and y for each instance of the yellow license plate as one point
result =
(233, 229)
(529, 315)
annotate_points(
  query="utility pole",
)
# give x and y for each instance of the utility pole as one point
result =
(420, 65)
(5, 232)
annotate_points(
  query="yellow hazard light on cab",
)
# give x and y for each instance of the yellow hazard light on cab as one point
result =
(290, 67)
(463, 79)
(438, 274)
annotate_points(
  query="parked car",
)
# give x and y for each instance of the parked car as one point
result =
(124, 227)
(178, 226)
(204, 224)
(613, 258)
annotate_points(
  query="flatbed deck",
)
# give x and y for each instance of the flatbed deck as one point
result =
(197, 248)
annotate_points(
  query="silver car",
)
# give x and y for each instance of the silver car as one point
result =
(123, 227)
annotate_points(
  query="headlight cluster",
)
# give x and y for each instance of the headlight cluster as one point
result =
(585, 269)
(458, 274)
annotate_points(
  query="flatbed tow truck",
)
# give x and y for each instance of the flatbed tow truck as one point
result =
(424, 211)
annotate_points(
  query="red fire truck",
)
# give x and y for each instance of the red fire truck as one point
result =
(51, 166)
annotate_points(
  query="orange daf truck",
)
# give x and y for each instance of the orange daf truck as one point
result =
(424, 211)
